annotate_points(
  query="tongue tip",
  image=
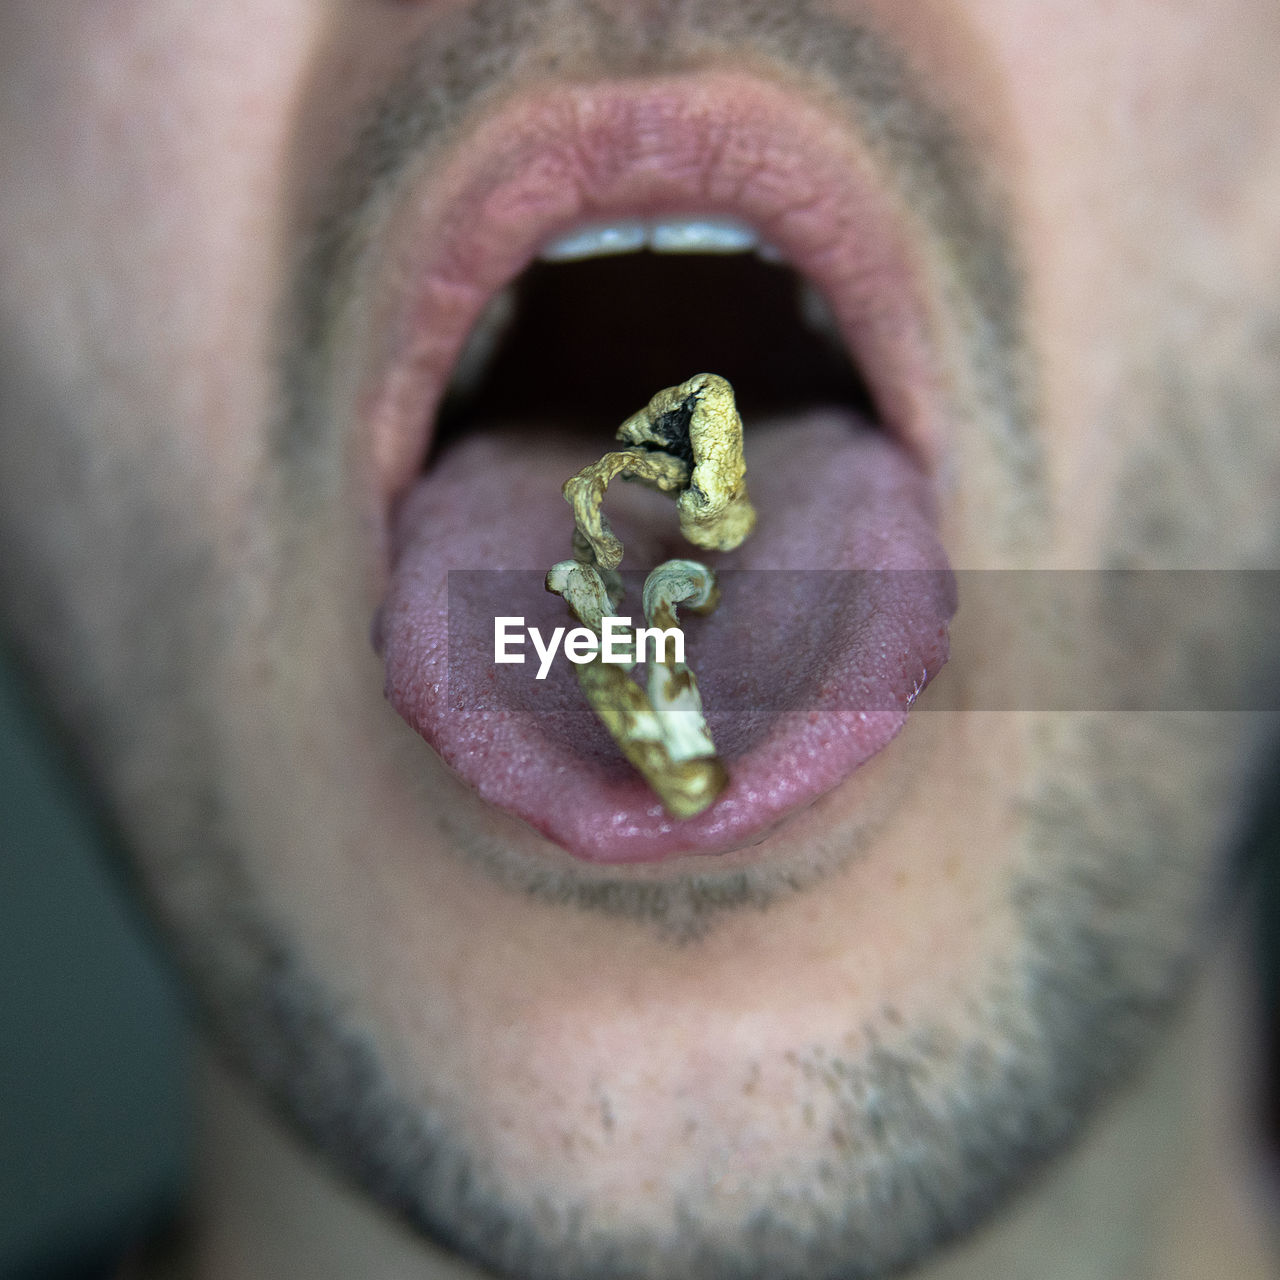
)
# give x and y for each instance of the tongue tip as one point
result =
(597, 810)
(609, 816)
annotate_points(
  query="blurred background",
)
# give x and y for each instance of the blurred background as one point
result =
(93, 1122)
(92, 1113)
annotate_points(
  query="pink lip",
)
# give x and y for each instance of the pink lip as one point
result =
(716, 144)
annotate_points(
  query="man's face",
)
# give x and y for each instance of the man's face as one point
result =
(241, 246)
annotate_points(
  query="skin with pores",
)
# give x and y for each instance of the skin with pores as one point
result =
(834, 1053)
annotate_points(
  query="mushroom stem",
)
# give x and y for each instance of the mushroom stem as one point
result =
(687, 441)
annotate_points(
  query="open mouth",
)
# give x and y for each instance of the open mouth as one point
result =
(585, 254)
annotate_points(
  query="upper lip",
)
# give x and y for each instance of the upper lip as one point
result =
(715, 143)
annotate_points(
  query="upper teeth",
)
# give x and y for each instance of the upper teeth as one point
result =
(668, 235)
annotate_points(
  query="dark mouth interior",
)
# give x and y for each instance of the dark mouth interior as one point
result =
(591, 341)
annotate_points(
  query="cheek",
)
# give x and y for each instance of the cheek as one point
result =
(153, 147)
(1138, 159)
(142, 188)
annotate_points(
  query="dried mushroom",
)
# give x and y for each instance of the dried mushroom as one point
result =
(687, 441)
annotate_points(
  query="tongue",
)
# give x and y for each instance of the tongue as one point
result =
(833, 617)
